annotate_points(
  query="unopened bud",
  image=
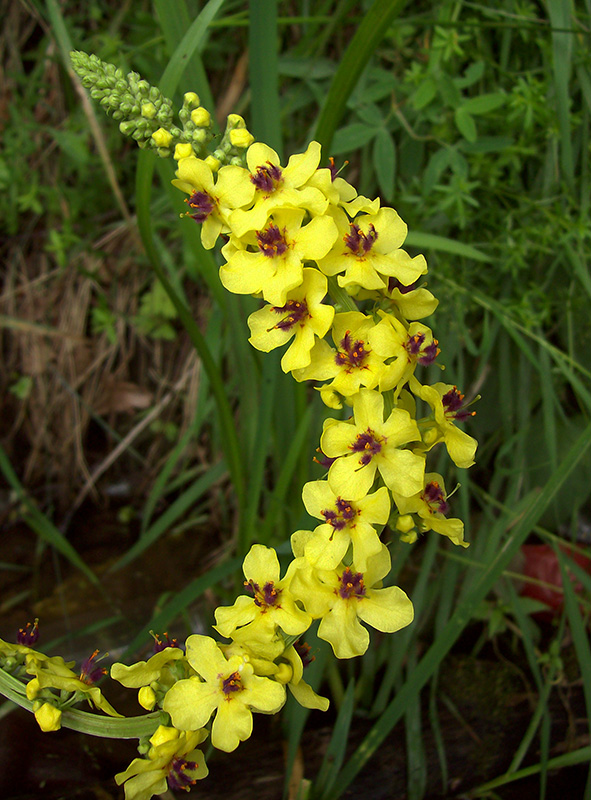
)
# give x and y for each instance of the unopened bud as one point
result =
(241, 137)
(183, 150)
(48, 717)
(405, 523)
(148, 110)
(162, 138)
(213, 163)
(191, 99)
(201, 117)
(147, 698)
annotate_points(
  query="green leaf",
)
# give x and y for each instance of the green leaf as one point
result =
(352, 137)
(425, 92)
(430, 241)
(384, 161)
(465, 124)
(484, 103)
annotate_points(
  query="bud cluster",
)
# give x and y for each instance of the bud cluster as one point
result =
(147, 116)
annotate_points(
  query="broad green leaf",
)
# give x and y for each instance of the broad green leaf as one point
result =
(484, 103)
(352, 137)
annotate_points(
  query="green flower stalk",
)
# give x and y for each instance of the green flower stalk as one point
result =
(146, 115)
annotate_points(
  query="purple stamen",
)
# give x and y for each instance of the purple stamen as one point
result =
(267, 178)
(360, 243)
(29, 634)
(416, 348)
(161, 644)
(271, 241)
(343, 515)
(203, 205)
(351, 585)
(266, 597)
(177, 774)
(231, 685)
(352, 355)
(368, 444)
(89, 672)
(296, 312)
(303, 650)
(452, 404)
(434, 497)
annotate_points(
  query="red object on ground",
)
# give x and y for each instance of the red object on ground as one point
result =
(540, 562)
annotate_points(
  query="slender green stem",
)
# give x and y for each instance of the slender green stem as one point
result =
(83, 721)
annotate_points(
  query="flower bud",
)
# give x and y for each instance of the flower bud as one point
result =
(201, 117)
(162, 138)
(240, 137)
(213, 163)
(148, 110)
(191, 99)
(48, 717)
(147, 698)
(183, 150)
(405, 523)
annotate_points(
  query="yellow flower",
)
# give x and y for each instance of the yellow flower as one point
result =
(343, 597)
(279, 187)
(55, 673)
(145, 672)
(172, 763)
(448, 407)
(431, 507)
(271, 260)
(345, 522)
(351, 365)
(271, 605)
(302, 316)
(229, 687)
(369, 444)
(371, 250)
(211, 202)
(407, 345)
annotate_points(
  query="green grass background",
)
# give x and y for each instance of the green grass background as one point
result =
(473, 122)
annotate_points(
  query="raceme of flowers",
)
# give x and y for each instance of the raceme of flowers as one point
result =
(344, 300)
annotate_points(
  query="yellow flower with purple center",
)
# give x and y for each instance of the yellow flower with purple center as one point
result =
(368, 445)
(211, 201)
(345, 522)
(55, 673)
(352, 364)
(407, 345)
(271, 260)
(228, 687)
(344, 597)
(368, 251)
(279, 187)
(302, 316)
(447, 404)
(270, 606)
(428, 510)
(173, 762)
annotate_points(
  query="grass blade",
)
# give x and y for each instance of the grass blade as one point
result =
(42, 526)
(368, 35)
(263, 61)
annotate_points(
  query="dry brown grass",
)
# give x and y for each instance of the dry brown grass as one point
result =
(82, 383)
